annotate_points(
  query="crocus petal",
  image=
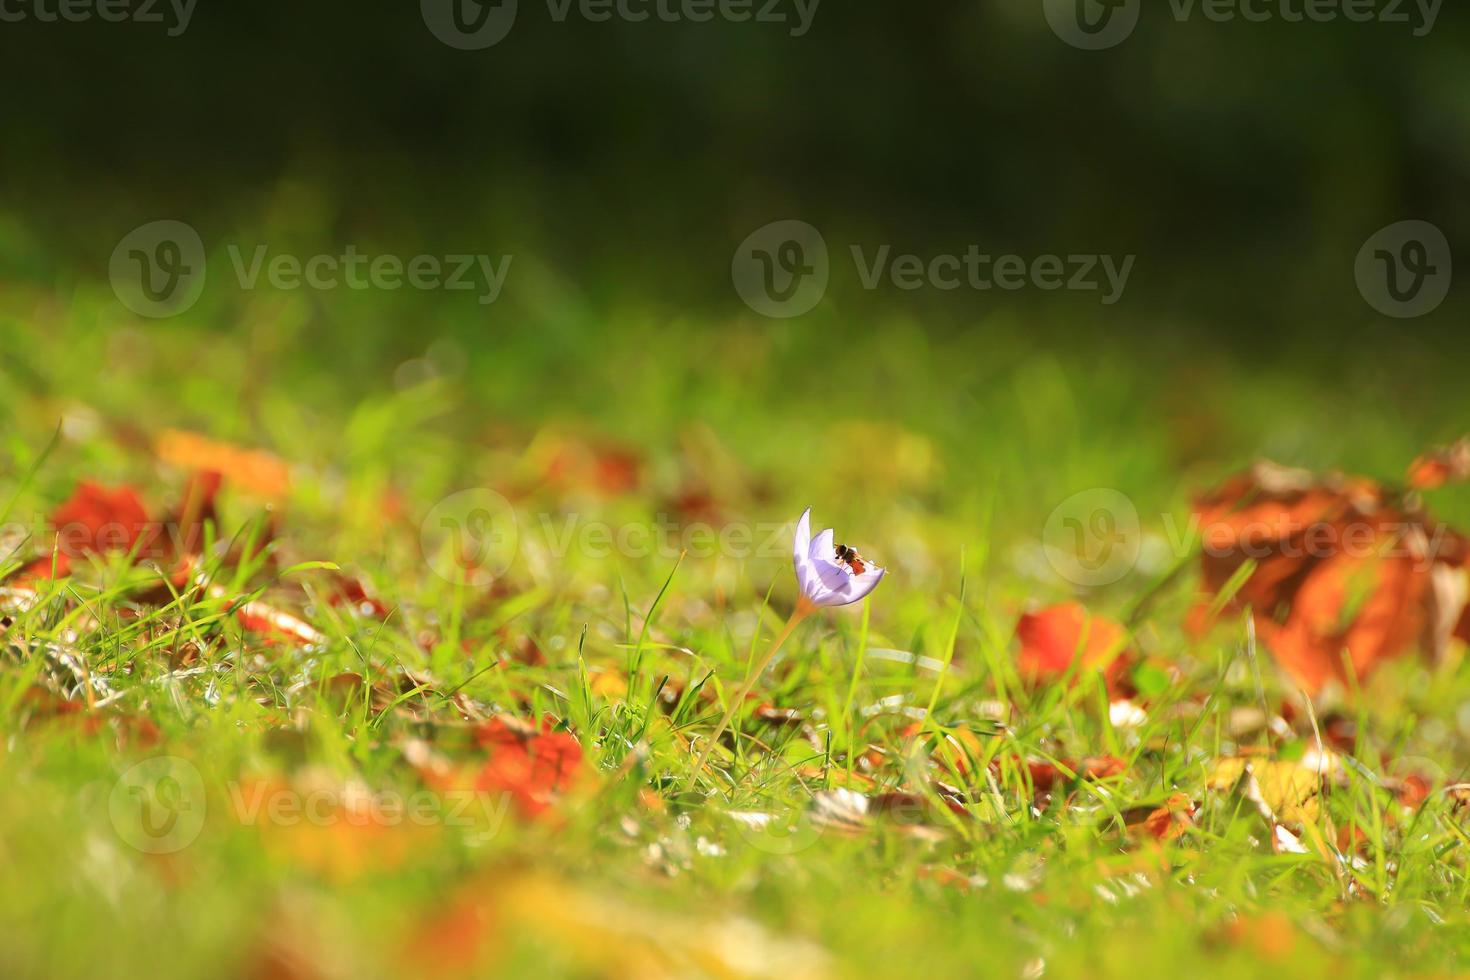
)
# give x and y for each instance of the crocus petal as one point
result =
(823, 547)
(856, 588)
(831, 576)
(806, 577)
(803, 545)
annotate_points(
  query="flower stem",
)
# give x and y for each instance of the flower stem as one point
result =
(857, 672)
(804, 608)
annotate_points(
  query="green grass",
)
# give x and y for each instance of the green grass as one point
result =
(938, 450)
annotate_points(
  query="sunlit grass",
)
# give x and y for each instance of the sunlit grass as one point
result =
(941, 453)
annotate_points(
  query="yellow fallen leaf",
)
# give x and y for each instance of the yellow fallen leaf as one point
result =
(1284, 791)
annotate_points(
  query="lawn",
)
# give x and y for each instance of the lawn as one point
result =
(286, 732)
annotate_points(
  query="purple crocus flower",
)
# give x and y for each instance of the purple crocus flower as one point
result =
(829, 575)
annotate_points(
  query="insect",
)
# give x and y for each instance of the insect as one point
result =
(849, 557)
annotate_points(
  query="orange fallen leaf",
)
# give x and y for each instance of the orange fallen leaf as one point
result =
(256, 471)
(1170, 821)
(1342, 564)
(1448, 464)
(1271, 936)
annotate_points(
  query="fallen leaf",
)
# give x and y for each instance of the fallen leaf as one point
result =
(1052, 639)
(1447, 464)
(1343, 565)
(251, 470)
(534, 765)
(1283, 791)
(94, 520)
(1166, 822)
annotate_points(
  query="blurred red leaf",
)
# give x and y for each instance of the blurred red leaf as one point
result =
(572, 464)
(1046, 776)
(1448, 464)
(1054, 637)
(94, 520)
(534, 765)
(347, 591)
(38, 706)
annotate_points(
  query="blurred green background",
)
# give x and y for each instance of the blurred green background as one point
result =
(622, 163)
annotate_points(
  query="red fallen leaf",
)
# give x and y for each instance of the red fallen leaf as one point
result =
(348, 591)
(457, 935)
(1342, 564)
(535, 766)
(696, 504)
(94, 520)
(261, 617)
(1046, 776)
(1413, 790)
(275, 960)
(903, 807)
(1052, 638)
(38, 705)
(98, 520)
(521, 648)
(577, 465)
(1448, 464)
(617, 471)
